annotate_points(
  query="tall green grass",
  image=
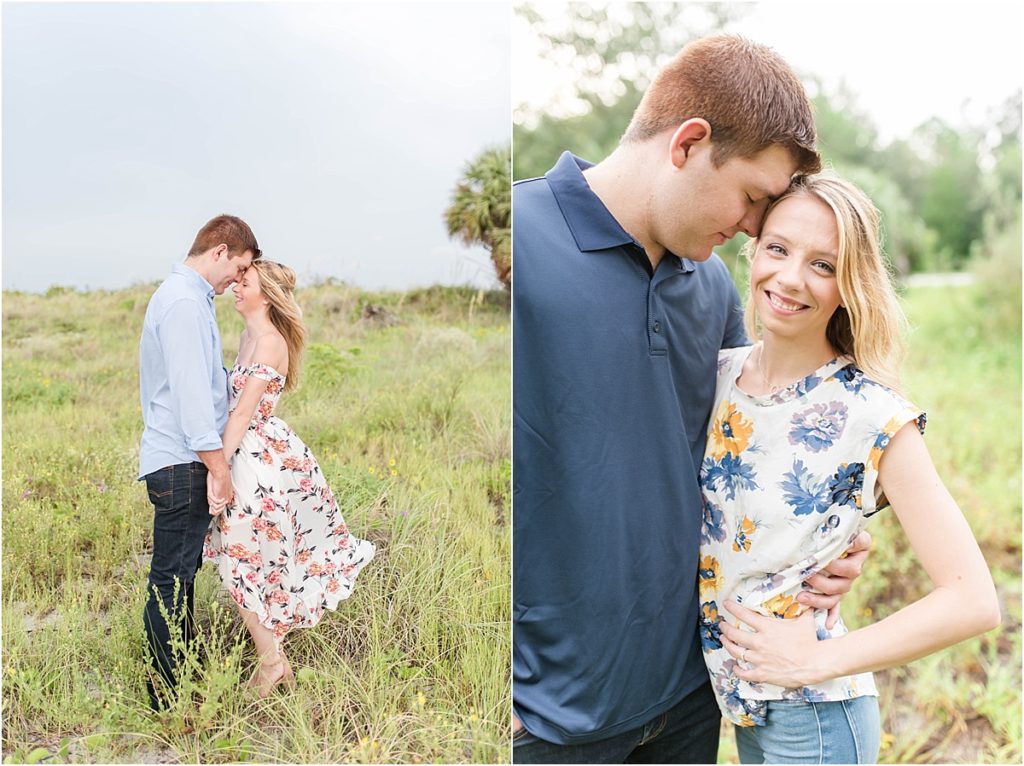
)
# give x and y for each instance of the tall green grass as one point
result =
(406, 406)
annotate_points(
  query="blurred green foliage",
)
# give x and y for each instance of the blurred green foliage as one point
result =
(942, 191)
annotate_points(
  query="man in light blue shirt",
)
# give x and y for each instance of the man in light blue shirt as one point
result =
(183, 388)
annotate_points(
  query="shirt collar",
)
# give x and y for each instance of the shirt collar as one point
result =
(592, 225)
(194, 278)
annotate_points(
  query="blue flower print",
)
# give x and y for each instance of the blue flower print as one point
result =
(728, 690)
(710, 635)
(802, 388)
(713, 526)
(813, 695)
(882, 441)
(846, 484)
(729, 473)
(804, 493)
(746, 712)
(808, 384)
(817, 427)
(829, 526)
(853, 380)
(768, 583)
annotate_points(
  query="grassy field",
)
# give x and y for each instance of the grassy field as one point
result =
(962, 705)
(407, 409)
(405, 400)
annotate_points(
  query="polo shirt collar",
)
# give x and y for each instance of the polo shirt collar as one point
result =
(194, 279)
(592, 225)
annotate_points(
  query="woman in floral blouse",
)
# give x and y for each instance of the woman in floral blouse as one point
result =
(808, 438)
(281, 547)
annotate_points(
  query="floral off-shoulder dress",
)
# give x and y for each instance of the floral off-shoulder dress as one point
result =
(282, 548)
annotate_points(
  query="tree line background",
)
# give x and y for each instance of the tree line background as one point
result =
(948, 194)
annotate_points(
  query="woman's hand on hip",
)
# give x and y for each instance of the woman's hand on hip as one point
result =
(782, 652)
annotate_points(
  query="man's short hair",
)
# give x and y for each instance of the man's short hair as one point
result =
(228, 230)
(748, 94)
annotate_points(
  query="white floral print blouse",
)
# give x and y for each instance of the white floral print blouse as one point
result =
(789, 480)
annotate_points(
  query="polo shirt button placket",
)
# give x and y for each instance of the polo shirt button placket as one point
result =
(657, 344)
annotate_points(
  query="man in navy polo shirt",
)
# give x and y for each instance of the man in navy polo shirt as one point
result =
(620, 309)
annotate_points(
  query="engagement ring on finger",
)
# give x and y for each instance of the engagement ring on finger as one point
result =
(743, 657)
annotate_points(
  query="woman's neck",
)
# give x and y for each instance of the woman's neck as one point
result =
(256, 326)
(781, 362)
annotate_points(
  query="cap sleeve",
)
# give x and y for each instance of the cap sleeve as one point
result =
(894, 413)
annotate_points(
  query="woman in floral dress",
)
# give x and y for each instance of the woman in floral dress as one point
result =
(281, 547)
(808, 430)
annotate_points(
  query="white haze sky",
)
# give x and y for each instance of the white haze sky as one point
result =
(336, 130)
(905, 61)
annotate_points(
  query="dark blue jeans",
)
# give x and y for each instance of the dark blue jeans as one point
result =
(687, 733)
(180, 520)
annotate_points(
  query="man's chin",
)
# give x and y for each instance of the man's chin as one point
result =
(700, 255)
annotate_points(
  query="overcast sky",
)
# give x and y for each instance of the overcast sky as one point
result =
(337, 131)
(906, 61)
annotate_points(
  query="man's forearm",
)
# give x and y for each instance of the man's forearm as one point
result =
(215, 463)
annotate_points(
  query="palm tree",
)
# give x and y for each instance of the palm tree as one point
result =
(481, 208)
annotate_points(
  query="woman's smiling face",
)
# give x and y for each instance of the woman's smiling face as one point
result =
(248, 296)
(793, 273)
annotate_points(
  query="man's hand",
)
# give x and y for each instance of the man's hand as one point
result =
(830, 585)
(219, 492)
(516, 723)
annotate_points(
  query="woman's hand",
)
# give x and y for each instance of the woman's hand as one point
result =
(782, 652)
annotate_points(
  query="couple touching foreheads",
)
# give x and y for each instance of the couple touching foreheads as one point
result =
(212, 447)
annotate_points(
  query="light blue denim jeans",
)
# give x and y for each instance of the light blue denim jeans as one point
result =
(848, 731)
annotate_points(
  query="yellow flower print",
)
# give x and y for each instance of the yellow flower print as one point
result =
(744, 535)
(730, 431)
(785, 607)
(882, 441)
(709, 578)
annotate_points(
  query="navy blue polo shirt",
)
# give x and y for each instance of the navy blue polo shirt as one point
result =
(613, 381)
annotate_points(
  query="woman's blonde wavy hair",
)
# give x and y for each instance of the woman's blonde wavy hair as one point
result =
(277, 283)
(871, 327)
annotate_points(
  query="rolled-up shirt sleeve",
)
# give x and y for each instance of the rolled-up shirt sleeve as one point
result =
(188, 351)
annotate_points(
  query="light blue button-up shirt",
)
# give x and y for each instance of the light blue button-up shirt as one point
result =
(182, 380)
